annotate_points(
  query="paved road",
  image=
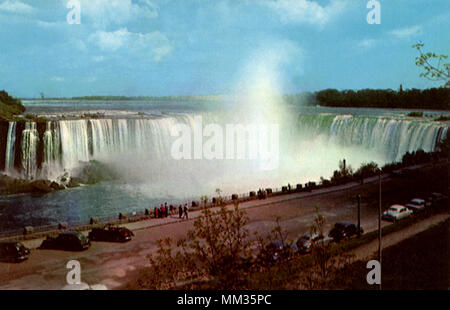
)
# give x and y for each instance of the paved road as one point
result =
(113, 264)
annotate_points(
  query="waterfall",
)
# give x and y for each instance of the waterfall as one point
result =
(393, 137)
(30, 140)
(10, 141)
(66, 143)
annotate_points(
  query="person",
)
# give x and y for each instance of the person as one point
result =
(180, 211)
(156, 213)
(163, 211)
(186, 211)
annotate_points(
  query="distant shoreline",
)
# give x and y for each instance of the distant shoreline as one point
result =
(410, 99)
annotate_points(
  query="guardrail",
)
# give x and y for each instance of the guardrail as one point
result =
(31, 232)
(36, 231)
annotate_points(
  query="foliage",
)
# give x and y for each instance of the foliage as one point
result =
(415, 114)
(213, 251)
(344, 174)
(442, 118)
(9, 106)
(35, 118)
(366, 170)
(433, 98)
(431, 63)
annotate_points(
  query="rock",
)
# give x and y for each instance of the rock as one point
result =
(74, 182)
(42, 186)
(56, 186)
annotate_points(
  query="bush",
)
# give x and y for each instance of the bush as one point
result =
(415, 114)
(9, 106)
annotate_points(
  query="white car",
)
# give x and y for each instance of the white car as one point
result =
(396, 212)
(416, 205)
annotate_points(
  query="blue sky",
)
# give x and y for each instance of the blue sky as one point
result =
(183, 47)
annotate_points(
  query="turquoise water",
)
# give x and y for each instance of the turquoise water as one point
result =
(133, 138)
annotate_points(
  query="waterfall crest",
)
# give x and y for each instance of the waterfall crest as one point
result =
(49, 149)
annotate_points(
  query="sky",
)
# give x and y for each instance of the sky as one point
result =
(187, 47)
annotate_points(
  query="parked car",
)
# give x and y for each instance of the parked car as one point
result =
(396, 213)
(11, 251)
(111, 234)
(436, 199)
(416, 205)
(305, 242)
(342, 230)
(68, 241)
(277, 250)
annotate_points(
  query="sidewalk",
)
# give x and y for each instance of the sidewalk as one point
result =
(193, 214)
(365, 251)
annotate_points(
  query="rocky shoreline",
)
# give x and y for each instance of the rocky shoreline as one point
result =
(11, 186)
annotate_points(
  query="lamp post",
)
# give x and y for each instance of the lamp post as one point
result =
(379, 222)
(358, 197)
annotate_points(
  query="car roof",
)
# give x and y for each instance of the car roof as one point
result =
(396, 207)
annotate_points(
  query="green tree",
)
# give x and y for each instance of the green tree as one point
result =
(9, 106)
(433, 66)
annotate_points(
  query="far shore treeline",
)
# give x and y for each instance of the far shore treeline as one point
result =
(432, 98)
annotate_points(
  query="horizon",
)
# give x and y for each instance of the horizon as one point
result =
(166, 48)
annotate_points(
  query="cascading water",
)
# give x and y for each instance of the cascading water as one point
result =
(66, 143)
(10, 141)
(30, 140)
(393, 137)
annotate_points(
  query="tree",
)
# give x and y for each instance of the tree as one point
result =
(433, 71)
(9, 106)
(214, 252)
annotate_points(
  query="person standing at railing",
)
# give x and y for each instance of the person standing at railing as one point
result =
(185, 211)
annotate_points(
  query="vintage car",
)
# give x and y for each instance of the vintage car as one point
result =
(111, 234)
(342, 230)
(416, 205)
(68, 241)
(305, 242)
(11, 251)
(396, 213)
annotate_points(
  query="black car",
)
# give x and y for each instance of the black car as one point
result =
(68, 241)
(342, 230)
(305, 242)
(13, 252)
(277, 250)
(111, 233)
